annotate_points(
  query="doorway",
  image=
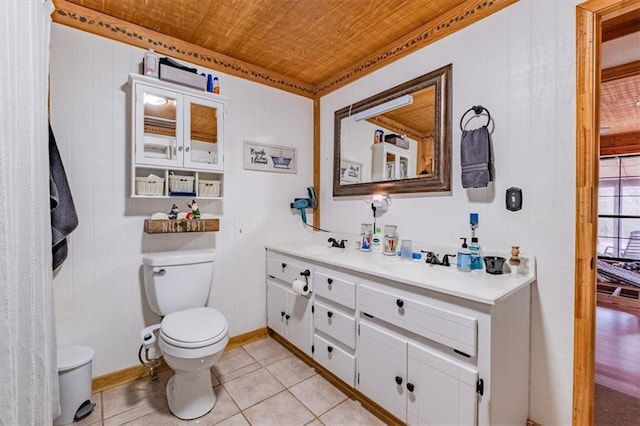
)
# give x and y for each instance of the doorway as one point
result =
(589, 17)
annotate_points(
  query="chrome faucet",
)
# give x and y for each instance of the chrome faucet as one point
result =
(335, 243)
(432, 258)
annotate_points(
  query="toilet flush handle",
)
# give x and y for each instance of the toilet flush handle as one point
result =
(159, 272)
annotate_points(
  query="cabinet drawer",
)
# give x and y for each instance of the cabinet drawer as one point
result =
(335, 359)
(285, 269)
(334, 287)
(441, 325)
(336, 324)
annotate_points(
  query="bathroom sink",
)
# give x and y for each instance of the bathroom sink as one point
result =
(417, 270)
(320, 250)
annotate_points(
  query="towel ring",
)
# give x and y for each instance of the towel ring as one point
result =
(477, 110)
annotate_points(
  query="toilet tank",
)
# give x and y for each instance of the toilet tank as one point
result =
(177, 280)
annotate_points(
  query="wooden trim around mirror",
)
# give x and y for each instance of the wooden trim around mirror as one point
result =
(441, 179)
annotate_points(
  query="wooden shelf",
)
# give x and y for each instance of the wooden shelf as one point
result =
(173, 226)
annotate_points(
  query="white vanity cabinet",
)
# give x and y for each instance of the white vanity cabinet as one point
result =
(456, 361)
(334, 322)
(177, 136)
(289, 314)
(414, 383)
(429, 346)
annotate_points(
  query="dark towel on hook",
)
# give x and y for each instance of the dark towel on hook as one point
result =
(475, 155)
(63, 212)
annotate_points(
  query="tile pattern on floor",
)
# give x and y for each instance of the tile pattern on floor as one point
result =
(260, 383)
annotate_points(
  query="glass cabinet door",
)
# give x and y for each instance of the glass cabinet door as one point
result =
(203, 134)
(158, 127)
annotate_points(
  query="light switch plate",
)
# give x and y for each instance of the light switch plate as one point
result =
(514, 199)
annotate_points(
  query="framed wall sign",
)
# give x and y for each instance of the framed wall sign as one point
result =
(350, 171)
(269, 158)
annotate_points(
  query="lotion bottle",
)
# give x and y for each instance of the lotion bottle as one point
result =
(376, 242)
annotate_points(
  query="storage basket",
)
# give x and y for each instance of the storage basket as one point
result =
(208, 188)
(179, 183)
(150, 185)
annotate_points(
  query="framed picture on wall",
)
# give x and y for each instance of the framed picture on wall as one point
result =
(350, 171)
(269, 158)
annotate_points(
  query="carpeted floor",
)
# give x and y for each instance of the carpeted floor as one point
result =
(615, 408)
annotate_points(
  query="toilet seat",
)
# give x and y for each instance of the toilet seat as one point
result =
(193, 328)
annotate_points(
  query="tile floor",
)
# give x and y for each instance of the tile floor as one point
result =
(260, 383)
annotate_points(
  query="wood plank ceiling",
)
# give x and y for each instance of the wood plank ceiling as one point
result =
(620, 93)
(317, 45)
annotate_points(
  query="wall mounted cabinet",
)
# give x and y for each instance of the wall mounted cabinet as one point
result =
(177, 140)
(391, 162)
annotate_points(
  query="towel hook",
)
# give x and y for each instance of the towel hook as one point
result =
(477, 110)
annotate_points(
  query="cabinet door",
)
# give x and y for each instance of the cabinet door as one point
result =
(158, 127)
(382, 367)
(444, 390)
(276, 308)
(300, 321)
(203, 138)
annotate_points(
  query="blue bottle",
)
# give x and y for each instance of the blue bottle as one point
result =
(474, 249)
(210, 83)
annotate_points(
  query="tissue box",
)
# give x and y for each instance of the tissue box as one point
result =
(185, 78)
(397, 141)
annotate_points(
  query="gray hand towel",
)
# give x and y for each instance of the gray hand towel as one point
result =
(475, 155)
(63, 212)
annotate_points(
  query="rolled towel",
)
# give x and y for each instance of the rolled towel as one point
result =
(475, 155)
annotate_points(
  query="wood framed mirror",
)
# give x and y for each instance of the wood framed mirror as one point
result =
(398, 141)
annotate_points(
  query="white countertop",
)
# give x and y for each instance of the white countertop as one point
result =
(475, 285)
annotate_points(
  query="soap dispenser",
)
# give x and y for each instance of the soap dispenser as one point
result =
(464, 257)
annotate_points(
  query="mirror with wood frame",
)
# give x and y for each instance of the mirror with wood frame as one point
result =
(398, 141)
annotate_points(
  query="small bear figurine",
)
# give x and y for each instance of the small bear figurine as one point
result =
(173, 214)
(515, 252)
(194, 210)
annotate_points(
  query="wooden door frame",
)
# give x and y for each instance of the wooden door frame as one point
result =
(589, 17)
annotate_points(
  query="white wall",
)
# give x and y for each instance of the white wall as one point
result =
(98, 290)
(520, 64)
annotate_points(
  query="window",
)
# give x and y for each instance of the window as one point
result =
(619, 207)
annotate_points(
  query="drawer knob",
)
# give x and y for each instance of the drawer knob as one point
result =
(284, 265)
(410, 387)
(400, 303)
(330, 281)
(329, 314)
(287, 316)
(282, 313)
(330, 349)
(399, 380)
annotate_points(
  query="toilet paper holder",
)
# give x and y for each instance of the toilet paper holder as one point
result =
(301, 287)
(306, 274)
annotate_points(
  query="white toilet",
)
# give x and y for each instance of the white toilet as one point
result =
(191, 336)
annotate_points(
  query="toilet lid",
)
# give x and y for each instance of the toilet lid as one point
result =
(193, 328)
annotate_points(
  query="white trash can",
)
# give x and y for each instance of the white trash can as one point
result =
(74, 375)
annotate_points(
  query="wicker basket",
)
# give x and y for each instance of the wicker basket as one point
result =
(150, 185)
(179, 183)
(208, 188)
